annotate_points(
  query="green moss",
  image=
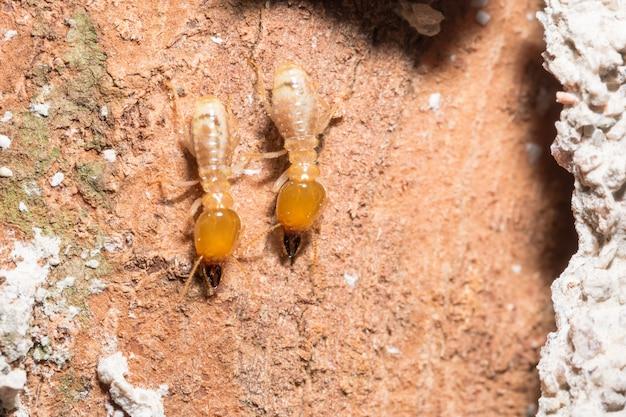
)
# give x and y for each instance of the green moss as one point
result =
(40, 74)
(31, 158)
(34, 142)
(36, 215)
(85, 51)
(73, 387)
(87, 82)
(90, 183)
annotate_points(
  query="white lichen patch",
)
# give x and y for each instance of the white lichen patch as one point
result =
(67, 282)
(10, 34)
(32, 261)
(134, 401)
(6, 117)
(96, 286)
(583, 364)
(31, 188)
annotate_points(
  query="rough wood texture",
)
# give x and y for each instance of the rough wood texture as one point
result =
(443, 230)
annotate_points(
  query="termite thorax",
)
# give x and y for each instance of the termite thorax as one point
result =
(303, 172)
(217, 200)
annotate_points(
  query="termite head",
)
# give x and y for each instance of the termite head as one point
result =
(298, 206)
(292, 243)
(215, 234)
(212, 273)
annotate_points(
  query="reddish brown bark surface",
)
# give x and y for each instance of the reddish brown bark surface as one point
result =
(453, 233)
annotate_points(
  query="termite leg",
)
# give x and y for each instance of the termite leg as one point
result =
(183, 136)
(185, 141)
(314, 243)
(195, 206)
(253, 242)
(238, 266)
(329, 113)
(280, 182)
(240, 168)
(255, 156)
(190, 279)
(166, 184)
(185, 184)
(259, 86)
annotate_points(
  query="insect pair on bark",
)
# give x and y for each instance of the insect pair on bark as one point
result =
(300, 116)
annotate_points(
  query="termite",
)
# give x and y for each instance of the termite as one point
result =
(300, 116)
(217, 228)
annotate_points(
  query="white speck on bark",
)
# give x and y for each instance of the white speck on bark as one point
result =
(434, 101)
(350, 279)
(6, 172)
(533, 152)
(6, 117)
(92, 263)
(5, 142)
(482, 17)
(57, 179)
(10, 34)
(392, 350)
(21, 206)
(42, 109)
(109, 155)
